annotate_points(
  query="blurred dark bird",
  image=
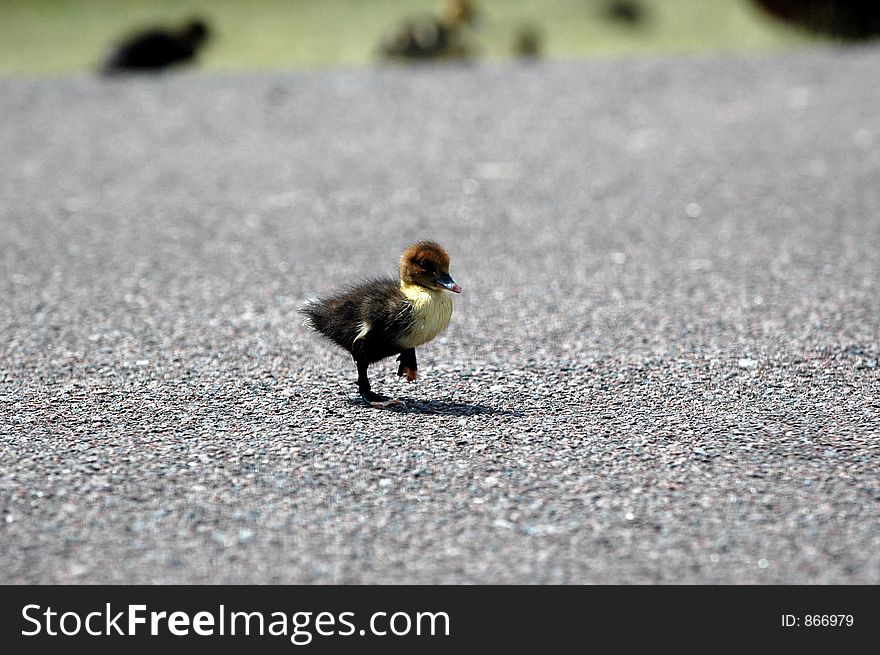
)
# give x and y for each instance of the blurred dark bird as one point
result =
(431, 37)
(527, 42)
(841, 19)
(624, 11)
(157, 48)
(382, 317)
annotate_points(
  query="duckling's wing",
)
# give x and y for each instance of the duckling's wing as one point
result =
(385, 315)
(365, 319)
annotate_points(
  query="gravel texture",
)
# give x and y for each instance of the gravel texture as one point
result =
(663, 367)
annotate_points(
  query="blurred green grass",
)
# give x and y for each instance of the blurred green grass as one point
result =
(68, 36)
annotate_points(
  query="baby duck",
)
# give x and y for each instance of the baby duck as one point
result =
(381, 317)
(433, 37)
(527, 42)
(157, 48)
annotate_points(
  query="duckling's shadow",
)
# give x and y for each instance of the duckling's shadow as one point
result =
(412, 406)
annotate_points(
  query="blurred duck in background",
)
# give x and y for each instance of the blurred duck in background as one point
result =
(626, 12)
(157, 48)
(841, 19)
(527, 42)
(433, 37)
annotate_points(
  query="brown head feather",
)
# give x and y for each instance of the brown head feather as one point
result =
(412, 270)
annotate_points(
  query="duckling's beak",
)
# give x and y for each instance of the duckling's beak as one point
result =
(448, 283)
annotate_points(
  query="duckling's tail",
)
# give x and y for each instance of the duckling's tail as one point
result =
(310, 309)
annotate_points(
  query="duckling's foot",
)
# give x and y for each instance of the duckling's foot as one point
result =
(391, 402)
(378, 400)
(408, 365)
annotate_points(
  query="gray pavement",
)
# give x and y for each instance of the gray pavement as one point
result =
(663, 367)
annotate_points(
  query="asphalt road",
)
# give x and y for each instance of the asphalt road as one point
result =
(663, 367)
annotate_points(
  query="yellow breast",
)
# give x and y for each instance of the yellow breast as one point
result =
(431, 313)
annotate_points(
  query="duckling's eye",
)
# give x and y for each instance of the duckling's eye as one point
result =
(427, 264)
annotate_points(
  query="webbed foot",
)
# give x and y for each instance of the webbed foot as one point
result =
(390, 402)
(378, 400)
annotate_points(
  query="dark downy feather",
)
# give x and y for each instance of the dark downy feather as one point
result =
(157, 48)
(378, 303)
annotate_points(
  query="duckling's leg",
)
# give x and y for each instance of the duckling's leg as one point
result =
(375, 399)
(408, 365)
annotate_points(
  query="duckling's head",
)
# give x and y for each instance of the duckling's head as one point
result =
(426, 264)
(195, 31)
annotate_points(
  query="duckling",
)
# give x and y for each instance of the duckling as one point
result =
(624, 11)
(839, 19)
(431, 37)
(382, 317)
(156, 48)
(527, 42)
